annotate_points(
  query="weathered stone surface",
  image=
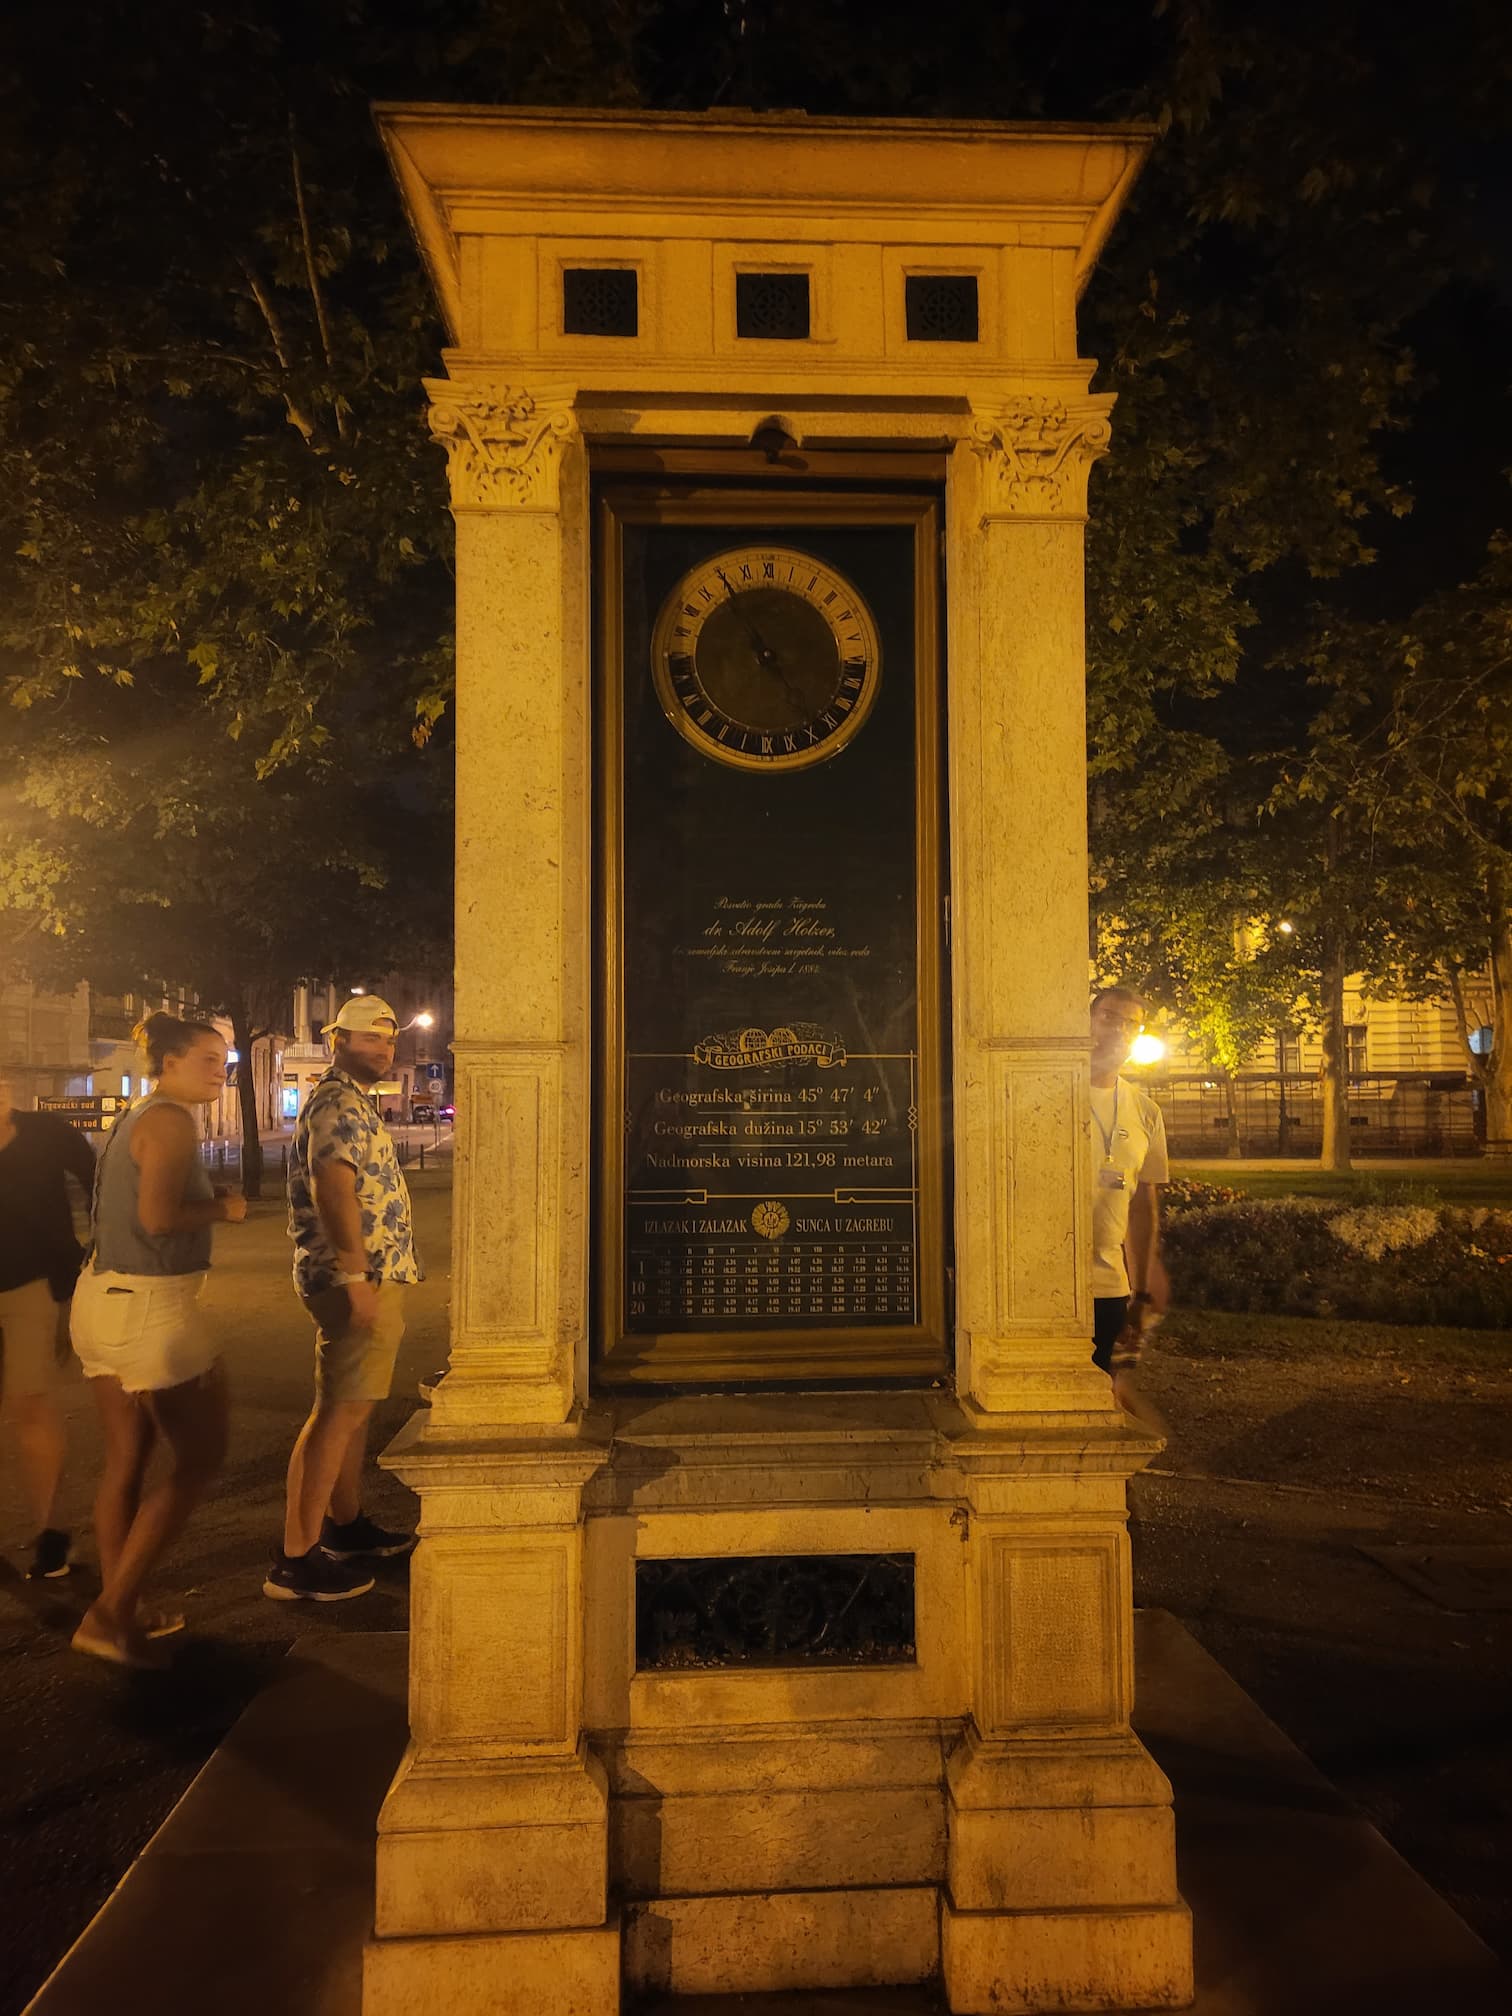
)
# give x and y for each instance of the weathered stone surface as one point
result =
(794, 1826)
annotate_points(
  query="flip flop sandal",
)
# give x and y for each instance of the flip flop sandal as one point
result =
(139, 1655)
(159, 1623)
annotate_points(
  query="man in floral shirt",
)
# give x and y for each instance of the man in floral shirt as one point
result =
(354, 1254)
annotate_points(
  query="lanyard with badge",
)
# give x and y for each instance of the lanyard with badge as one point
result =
(1109, 1177)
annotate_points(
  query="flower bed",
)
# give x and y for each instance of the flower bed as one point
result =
(1297, 1256)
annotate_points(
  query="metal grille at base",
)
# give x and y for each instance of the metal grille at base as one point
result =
(774, 1610)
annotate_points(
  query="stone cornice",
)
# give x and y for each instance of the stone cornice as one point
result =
(1036, 454)
(503, 443)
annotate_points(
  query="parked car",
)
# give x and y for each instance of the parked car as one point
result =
(422, 1111)
(447, 1113)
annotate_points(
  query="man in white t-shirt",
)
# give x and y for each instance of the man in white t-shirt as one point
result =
(1128, 1162)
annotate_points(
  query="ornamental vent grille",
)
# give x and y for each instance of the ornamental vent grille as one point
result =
(600, 301)
(940, 307)
(772, 305)
(774, 1610)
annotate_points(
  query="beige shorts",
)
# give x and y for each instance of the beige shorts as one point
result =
(353, 1364)
(147, 1330)
(33, 1340)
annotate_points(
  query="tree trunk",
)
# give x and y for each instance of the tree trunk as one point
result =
(246, 1093)
(1335, 1069)
(1497, 1075)
(1233, 1147)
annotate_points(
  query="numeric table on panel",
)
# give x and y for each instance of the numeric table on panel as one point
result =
(733, 1279)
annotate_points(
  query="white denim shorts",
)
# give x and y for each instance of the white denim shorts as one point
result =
(147, 1330)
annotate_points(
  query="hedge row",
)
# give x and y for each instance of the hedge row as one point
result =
(1298, 1256)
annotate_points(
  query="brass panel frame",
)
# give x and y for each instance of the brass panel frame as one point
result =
(777, 1356)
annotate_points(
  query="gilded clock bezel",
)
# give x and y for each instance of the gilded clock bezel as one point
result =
(711, 745)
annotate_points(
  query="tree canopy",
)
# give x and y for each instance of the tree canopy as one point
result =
(225, 584)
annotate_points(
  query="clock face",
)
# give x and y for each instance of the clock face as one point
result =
(766, 658)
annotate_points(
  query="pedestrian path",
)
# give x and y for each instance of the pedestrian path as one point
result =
(256, 1893)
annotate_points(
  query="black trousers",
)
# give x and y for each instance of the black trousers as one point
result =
(1109, 1314)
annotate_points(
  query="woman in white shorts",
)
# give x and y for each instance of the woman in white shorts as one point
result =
(141, 1335)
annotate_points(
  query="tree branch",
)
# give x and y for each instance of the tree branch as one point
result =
(313, 275)
(297, 416)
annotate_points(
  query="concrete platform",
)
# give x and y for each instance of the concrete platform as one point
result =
(255, 1896)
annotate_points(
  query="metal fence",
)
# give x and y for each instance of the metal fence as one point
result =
(227, 1155)
(1390, 1113)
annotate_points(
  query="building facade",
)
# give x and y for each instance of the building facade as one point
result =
(1410, 1089)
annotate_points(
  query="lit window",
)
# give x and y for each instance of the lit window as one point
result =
(125, 1084)
(144, 1083)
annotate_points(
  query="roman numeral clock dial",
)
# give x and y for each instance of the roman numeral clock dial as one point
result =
(765, 658)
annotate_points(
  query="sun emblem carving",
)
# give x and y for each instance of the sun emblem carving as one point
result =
(770, 1219)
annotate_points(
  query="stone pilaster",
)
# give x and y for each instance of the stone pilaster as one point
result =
(493, 1840)
(495, 1830)
(1016, 506)
(520, 1264)
(1061, 1868)
(1061, 1882)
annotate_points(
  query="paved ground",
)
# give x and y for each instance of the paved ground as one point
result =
(92, 1759)
(1281, 1465)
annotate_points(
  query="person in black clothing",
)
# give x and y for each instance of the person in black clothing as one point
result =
(39, 1263)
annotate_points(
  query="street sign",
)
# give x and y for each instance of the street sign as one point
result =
(435, 1071)
(88, 1116)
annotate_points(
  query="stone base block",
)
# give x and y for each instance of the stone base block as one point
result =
(782, 1940)
(508, 1974)
(1018, 1963)
(1058, 1824)
(841, 1839)
(487, 1847)
(821, 1809)
(1039, 1861)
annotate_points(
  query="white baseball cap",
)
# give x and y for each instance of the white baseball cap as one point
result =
(364, 1015)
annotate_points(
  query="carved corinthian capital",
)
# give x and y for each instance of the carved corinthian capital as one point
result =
(503, 443)
(1036, 454)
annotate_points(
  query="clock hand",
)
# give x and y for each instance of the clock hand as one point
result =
(763, 649)
(766, 656)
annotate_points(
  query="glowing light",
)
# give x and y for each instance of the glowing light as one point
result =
(425, 1019)
(1286, 927)
(1147, 1050)
(233, 1056)
(357, 990)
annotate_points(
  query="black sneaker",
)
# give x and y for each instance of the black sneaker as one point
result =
(427, 1386)
(359, 1537)
(313, 1578)
(50, 1561)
